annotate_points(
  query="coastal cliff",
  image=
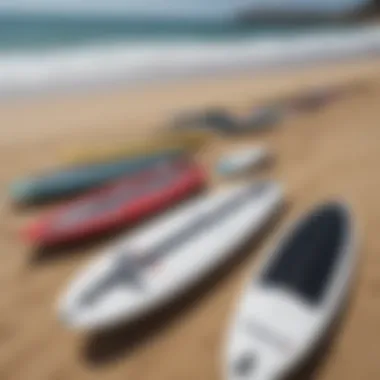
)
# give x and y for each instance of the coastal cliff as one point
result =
(369, 11)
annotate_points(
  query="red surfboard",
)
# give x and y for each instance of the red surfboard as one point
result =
(121, 203)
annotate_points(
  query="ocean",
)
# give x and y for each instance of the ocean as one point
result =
(33, 32)
(44, 52)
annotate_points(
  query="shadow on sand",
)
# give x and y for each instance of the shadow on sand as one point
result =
(105, 347)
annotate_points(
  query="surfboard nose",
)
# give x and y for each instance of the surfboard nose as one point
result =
(69, 313)
(33, 233)
(21, 190)
(336, 210)
(65, 316)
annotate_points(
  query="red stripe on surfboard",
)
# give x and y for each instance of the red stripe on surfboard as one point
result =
(191, 179)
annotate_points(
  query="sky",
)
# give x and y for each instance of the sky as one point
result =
(206, 8)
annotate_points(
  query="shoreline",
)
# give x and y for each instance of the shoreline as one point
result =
(120, 111)
(98, 68)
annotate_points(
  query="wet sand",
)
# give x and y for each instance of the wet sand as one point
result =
(330, 152)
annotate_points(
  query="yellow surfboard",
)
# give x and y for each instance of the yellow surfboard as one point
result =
(189, 141)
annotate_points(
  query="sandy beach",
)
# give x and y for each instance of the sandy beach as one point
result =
(331, 152)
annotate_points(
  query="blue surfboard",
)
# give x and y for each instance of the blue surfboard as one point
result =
(74, 180)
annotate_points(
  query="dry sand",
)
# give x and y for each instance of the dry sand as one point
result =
(334, 151)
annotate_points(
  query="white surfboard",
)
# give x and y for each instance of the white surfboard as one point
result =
(295, 296)
(243, 160)
(162, 259)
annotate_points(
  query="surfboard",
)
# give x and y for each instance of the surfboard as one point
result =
(263, 118)
(216, 119)
(313, 99)
(188, 141)
(242, 160)
(222, 121)
(164, 258)
(118, 204)
(70, 181)
(297, 293)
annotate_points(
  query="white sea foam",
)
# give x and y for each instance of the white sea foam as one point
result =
(134, 63)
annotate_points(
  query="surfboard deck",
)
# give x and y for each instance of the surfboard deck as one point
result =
(118, 204)
(298, 291)
(164, 258)
(242, 160)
